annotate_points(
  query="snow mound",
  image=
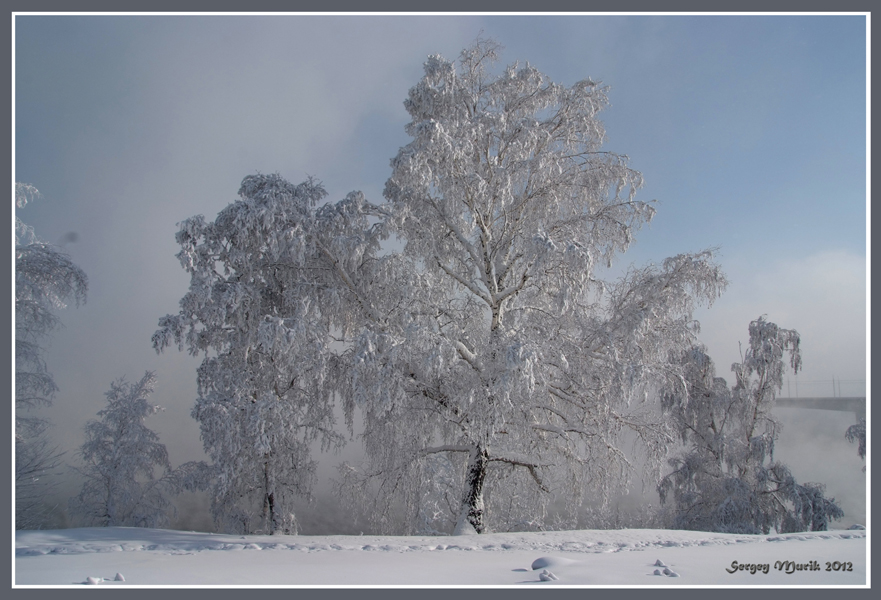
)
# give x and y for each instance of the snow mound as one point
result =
(551, 561)
(96, 580)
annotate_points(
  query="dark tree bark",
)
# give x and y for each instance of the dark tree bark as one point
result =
(472, 502)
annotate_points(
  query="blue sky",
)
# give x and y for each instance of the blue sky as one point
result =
(750, 132)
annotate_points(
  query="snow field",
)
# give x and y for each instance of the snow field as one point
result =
(153, 557)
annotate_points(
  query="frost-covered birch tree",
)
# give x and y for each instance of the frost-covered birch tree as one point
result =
(507, 373)
(271, 290)
(121, 455)
(856, 433)
(45, 281)
(726, 478)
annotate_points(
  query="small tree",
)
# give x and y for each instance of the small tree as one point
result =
(36, 469)
(121, 455)
(45, 280)
(857, 433)
(726, 479)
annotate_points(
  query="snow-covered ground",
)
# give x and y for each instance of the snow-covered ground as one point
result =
(122, 556)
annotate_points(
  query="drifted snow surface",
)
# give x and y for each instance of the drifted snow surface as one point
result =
(133, 557)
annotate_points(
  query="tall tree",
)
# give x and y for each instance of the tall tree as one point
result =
(45, 281)
(121, 455)
(490, 362)
(726, 478)
(506, 373)
(268, 294)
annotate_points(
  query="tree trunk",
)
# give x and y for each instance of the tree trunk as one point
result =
(110, 507)
(275, 519)
(471, 517)
(268, 502)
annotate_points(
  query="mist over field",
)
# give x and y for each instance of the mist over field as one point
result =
(812, 443)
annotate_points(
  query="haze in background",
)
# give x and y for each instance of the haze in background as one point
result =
(750, 132)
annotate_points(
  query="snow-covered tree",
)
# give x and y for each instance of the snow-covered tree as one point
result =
(37, 462)
(45, 281)
(494, 370)
(857, 433)
(504, 373)
(726, 478)
(121, 456)
(269, 292)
